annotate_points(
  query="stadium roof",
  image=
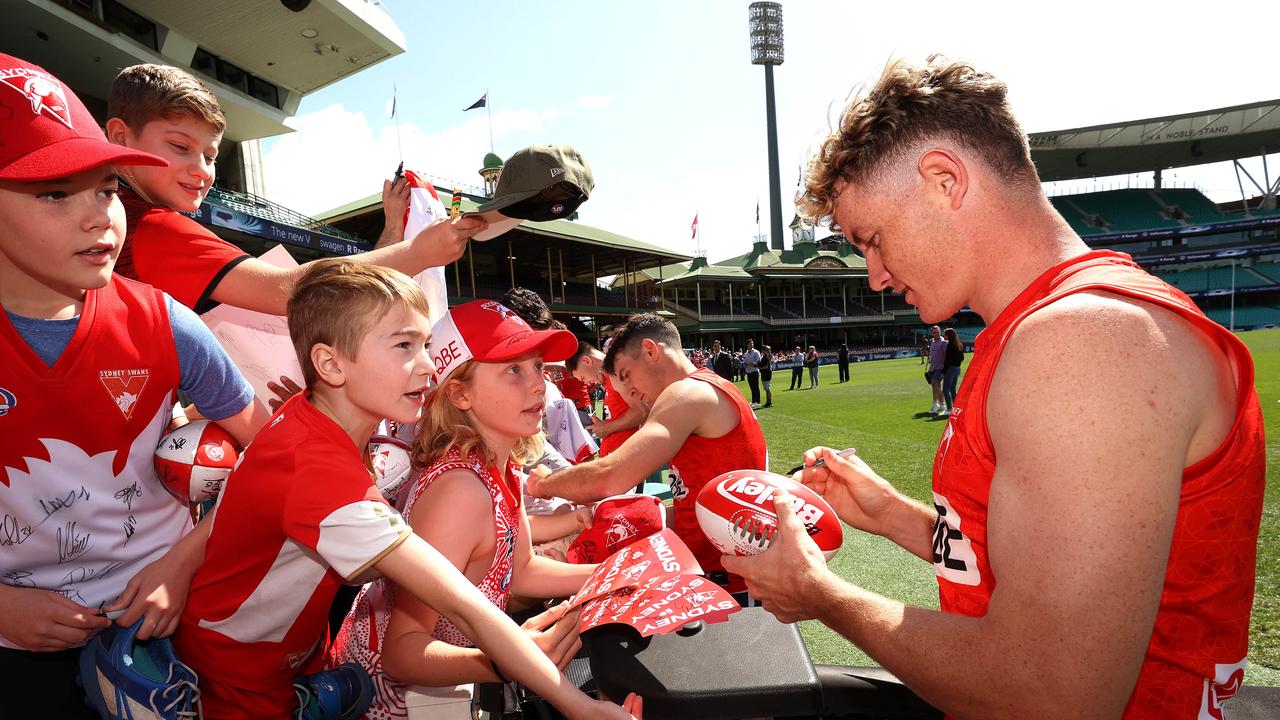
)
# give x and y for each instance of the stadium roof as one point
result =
(804, 260)
(1172, 141)
(233, 46)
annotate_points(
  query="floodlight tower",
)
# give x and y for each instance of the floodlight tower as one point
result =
(765, 21)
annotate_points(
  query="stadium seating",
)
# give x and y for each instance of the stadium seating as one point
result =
(1199, 209)
(1110, 211)
(1246, 317)
(1219, 278)
(1271, 271)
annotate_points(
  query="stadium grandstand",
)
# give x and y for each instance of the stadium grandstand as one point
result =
(259, 57)
(1226, 256)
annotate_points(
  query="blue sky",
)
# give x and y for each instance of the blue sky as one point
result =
(663, 102)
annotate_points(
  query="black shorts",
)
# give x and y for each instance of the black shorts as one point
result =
(42, 685)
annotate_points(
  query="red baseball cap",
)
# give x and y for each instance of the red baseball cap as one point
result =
(47, 131)
(488, 331)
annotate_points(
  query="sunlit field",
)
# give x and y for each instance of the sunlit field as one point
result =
(881, 412)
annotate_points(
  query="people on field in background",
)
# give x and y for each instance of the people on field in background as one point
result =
(719, 361)
(951, 369)
(797, 370)
(811, 362)
(937, 360)
(751, 368)
(842, 361)
(766, 375)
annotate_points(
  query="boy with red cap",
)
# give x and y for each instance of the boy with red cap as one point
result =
(92, 364)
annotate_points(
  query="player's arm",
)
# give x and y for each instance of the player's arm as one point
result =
(672, 420)
(633, 417)
(539, 577)
(258, 285)
(1080, 519)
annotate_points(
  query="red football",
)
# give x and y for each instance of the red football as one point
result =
(735, 510)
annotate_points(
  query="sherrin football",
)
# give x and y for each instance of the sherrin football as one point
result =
(392, 466)
(193, 460)
(735, 510)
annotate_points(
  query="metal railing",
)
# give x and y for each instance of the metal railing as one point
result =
(263, 208)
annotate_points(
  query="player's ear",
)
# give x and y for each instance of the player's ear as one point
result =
(328, 364)
(649, 347)
(945, 170)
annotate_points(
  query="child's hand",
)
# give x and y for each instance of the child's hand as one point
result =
(632, 707)
(395, 200)
(444, 241)
(158, 591)
(585, 516)
(284, 390)
(46, 621)
(556, 633)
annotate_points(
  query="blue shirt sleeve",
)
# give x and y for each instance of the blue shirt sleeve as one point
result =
(206, 374)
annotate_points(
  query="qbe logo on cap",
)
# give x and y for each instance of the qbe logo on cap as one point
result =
(7, 401)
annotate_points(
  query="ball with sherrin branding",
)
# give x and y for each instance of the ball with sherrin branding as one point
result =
(735, 511)
(392, 465)
(193, 460)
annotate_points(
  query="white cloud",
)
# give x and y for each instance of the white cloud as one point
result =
(336, 156)
(597, 101)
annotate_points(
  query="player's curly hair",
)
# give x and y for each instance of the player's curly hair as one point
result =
(908, 105)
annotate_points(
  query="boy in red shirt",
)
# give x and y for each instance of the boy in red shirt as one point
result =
(91, 364)
(166, 112)
(300, 515)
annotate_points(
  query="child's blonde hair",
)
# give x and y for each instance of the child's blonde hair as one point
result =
(337, 300)
(142, 93)
(444, 427)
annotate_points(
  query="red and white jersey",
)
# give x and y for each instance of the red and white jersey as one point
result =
(1196, 655)
(360, 639)
(174, 253)
(701, 459)
(614, 406)
(297, 518)
(82, 508)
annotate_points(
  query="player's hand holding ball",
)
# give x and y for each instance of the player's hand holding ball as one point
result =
(791, 578)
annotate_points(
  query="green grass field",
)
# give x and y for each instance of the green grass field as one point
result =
(877, 413)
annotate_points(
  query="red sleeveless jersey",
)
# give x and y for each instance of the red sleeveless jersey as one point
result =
(614, 406)
(1196, 655)
(701, 459)
(83, 509)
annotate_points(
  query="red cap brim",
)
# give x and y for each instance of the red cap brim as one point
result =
(555, 345)
(71, 156)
